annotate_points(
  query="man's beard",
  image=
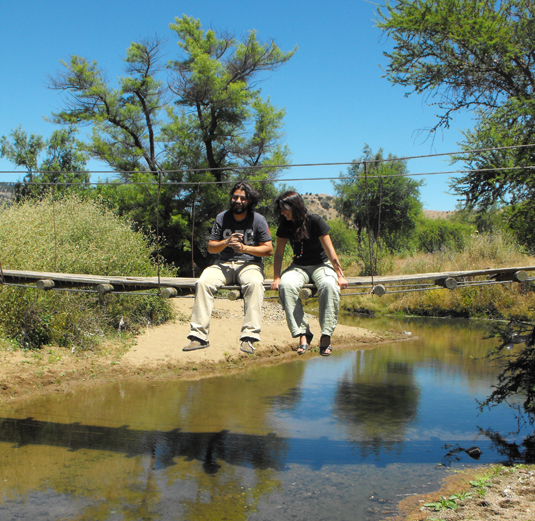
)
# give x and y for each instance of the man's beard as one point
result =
(238, 208)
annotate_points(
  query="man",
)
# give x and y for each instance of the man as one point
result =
(241, 237)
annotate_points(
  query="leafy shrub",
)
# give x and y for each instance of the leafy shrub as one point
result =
(377, 256)
(344, 239)
(437, 234)
(72, 235)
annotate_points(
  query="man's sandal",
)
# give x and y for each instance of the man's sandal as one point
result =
(196, 343)
(247, 347)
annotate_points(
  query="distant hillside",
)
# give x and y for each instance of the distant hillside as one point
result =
(436, 214)
(7, 192)
(323, 205)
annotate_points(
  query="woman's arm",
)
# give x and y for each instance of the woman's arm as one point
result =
(331, 253)
(277, 262)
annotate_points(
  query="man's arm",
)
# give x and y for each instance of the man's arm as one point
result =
(264, 249)
(219, 246)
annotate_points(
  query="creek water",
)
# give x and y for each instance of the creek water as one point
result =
(344, 437)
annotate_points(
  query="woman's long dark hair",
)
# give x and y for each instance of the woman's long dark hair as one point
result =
(294, 202)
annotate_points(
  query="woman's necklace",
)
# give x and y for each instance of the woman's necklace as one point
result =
(301, 254)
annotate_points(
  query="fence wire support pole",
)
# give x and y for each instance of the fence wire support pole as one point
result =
(194, 204)
(55, 229)
(365, 164)
(158, 227)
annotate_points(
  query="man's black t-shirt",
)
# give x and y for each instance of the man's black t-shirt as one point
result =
(254, 228)
(308, 252)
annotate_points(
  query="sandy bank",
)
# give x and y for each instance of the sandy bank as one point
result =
(157, 352)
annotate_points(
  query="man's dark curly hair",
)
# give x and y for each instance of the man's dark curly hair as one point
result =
(252, 195)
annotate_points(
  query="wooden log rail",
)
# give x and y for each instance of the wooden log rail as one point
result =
(171, 287)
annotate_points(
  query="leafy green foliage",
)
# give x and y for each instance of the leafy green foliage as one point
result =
(437, 234)
(480, 485)
(443, 504)
(465, 53)
(72, 235)
(379, 198)
(63, 162)
(517, 352)
(473, 54)
(344, 239)
(198, 118)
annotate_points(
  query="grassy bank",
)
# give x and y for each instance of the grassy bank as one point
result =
(479, 494)
(480, 251)
(72, 235)
(503, 301)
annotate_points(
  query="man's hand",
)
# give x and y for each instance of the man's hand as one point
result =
(235, 241)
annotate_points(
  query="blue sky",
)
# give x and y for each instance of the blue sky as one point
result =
(335, 98)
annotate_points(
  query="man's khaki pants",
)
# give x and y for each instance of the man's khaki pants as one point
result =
(249, 276)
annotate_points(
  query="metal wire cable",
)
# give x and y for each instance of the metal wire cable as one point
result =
(261, 167)
(278, 180)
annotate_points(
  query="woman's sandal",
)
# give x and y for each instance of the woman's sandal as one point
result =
(323, 349)
(302, 348)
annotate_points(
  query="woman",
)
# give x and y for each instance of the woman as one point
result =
(315, 261)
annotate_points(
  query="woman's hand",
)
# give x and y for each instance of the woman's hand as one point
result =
(275, 284)
(342, 282)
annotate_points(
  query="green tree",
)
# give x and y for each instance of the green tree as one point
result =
(516, 354)
(379, 197)
(63, 161)
(474, 54)
(344, 239)
(190, 126)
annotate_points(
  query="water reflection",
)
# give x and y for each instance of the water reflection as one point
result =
(376, 402)
(342, 437)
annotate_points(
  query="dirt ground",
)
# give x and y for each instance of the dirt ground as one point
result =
(495, 493)
(157, 355)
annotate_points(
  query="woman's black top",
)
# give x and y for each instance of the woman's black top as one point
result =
(308, 252)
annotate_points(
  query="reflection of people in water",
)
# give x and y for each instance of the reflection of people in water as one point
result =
(315, 261)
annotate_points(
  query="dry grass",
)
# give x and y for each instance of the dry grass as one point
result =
(489, 301)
